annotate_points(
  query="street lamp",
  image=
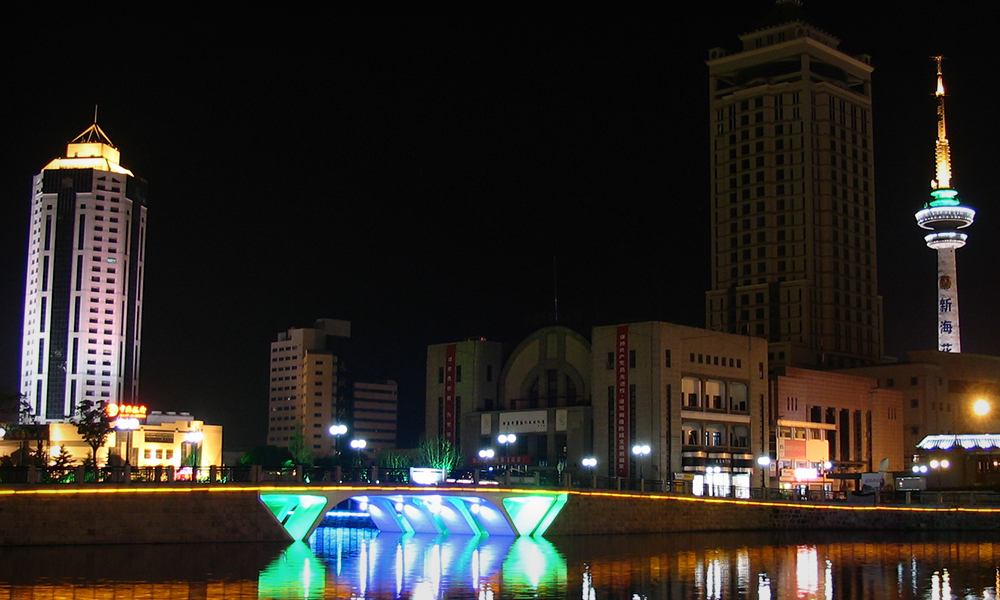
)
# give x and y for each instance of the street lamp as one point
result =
(359, 445)
(191, 450)
(336, 430)
(640, 451)
(981, 407)
(591, 463)
(764, 462)
(506, 439)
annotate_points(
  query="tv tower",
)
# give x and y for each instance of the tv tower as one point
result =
(944, 215)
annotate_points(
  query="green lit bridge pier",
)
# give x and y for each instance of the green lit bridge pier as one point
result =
(420, 510)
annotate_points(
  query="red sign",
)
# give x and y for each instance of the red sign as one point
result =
(449, 394)
(126, 411)
(621, 402)
(519, 459)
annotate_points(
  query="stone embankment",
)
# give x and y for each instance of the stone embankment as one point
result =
(51, 516)
(65, 515)
(597, 513)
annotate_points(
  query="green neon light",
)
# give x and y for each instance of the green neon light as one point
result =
(296, 512)
(528, 512)
(551, 515)
(944, 198)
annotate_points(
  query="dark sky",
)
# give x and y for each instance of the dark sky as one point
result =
(419, 174)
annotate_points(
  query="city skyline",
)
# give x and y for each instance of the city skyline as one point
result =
(418, 178)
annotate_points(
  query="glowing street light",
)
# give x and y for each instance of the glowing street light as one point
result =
(359, 445)
(981, 407)
(336, 430)
(640, 451)
(507, 439)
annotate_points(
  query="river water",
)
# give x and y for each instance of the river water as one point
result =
(356, 563)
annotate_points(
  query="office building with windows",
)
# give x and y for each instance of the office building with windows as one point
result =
(793, 197)
(696, 398)
(374, 414)
(83, 289)
(310, 392)
(307, 395)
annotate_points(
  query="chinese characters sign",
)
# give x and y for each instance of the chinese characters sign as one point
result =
(449, 393)
(621, 402)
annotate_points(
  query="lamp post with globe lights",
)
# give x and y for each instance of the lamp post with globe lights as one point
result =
(591, 463)
(358, 445)
(764, 462)
(506, 439)
(641, 451)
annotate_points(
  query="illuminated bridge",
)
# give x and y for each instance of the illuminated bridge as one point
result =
(469, 511)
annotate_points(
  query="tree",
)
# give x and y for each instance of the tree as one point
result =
(389, 459)
(299, 448)
(93, 425)
(438, 453)
(269, 457)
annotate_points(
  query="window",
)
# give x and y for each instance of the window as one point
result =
(631, 359)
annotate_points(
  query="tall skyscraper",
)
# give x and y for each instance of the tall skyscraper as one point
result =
(944, 216)
(793, 196)
(83, 290)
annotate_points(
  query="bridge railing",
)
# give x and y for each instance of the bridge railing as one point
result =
(153, 476)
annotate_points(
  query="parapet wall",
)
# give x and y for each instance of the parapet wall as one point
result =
(69, 516)
(591, 514)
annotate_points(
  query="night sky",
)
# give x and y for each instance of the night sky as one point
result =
(434, 176)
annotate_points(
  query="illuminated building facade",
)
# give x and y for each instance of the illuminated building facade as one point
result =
(939, 392)
(793, 197)
(846, 419)
(162, 439)
(697, 398)
(944, 216)
(307, 395)
(83, 290)
(540, 392)
(462, 378)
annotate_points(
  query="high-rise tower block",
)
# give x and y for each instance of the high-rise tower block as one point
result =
(83, 290)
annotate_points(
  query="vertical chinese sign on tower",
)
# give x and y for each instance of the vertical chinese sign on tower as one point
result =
(449, 393)
(621, 403)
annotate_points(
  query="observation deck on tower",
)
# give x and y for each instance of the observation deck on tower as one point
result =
(944, 214)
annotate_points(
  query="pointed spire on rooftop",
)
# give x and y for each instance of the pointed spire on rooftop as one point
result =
(93, 135)
(942, 148)
(92, 149)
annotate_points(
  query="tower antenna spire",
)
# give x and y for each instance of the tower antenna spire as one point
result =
(944, 215)
(942, 149)
(95, 114)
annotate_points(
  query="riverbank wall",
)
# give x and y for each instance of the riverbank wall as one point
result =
(608, 513)
(58, 515)
(75, 516)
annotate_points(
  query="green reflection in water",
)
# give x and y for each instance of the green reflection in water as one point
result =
(296, 570)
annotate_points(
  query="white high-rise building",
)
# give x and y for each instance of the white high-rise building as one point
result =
(83, 289)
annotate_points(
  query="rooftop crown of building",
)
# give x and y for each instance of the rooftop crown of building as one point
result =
(92, 149)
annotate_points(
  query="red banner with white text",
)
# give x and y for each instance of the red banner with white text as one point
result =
(621, 403)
